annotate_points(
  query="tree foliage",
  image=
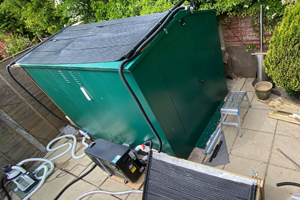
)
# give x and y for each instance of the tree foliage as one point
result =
(41, 18)
(116, 9)
(282, 62)
(14, 43)
(36, 17)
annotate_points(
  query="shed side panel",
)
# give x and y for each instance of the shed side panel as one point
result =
(184, 70)
(111, 114)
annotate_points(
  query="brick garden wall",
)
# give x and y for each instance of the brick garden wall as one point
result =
(240, 31)
(236, 37)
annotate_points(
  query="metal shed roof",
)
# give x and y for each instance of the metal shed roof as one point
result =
(95, 42)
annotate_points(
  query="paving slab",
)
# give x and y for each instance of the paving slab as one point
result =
(253, 145)
(102, 197)
(258, 120)
(248, 85)
(233, 118)
(239, 82)
(245, 104)
(288, 145)
(115, 186)
(77, 166)
(52, 186)
(135, 196)
(230, 135)
(12, 195)
(242, 166)
(77, 189)
(58, 143)
(276, 175)
(63, 159)
(259, 105)
(197, 155)
(288, 129)
(230, 83)
(96, 177)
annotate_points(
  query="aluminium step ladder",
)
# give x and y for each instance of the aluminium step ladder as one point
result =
(232, 107)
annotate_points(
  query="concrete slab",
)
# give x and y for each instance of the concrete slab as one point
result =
(135, 196)
(250, 96)
(238, 84)
(248, 85)
(278, 174)
(259, 105)
(77, 166)
(63, 159)
(290, 146)
(242, 166)
(197, 155)
(114, 186)
(253, 145)
(77, 189)
(230, 83)
(243, 64)
(233, 118)
(288, 129)
(102, 197)
(258, 120)
(52, 186)
(12, 195)
(230, 135)
(96, 177)
(60, 142)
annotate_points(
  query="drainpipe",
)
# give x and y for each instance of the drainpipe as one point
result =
(260, 56)
(261, 28)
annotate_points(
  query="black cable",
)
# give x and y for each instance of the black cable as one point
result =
(22, 56)
(38, 101)
(70, 184)
(3, 188)
(136, 52)
(287, 183)
(192, 3)
(150, 143)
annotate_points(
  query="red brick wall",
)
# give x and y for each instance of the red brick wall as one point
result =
(240, 29)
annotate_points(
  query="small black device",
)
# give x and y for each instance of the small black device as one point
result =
(115, 159)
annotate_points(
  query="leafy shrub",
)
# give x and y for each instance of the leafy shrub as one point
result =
(14, 43)
(282, 62)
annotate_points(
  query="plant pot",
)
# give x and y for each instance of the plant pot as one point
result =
(263, 89)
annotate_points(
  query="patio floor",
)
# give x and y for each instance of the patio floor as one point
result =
(255, 150)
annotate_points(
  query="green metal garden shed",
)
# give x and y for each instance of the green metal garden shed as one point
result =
(178, 78)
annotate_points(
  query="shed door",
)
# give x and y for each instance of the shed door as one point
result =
(189, 81)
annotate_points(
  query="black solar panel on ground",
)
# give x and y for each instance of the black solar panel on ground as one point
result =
(95, 42)
(169, 181)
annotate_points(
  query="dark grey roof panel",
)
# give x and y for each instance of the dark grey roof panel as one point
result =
(95, 42)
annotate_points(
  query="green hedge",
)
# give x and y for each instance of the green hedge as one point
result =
(282, 62)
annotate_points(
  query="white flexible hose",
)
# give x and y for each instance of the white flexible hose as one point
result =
(21, 169)
(70, 146)
(48, 171)
(63, 153)
(110, 193)
(41, 181)
(84, 143)
(39, 159)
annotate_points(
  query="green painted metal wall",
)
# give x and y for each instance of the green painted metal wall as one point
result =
(167, 78)
(171, 74)
(112, 114)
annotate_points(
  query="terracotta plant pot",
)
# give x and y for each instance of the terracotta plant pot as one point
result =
(263, 89)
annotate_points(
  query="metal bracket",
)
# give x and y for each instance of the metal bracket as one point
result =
(182, 21)
(166, 31)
